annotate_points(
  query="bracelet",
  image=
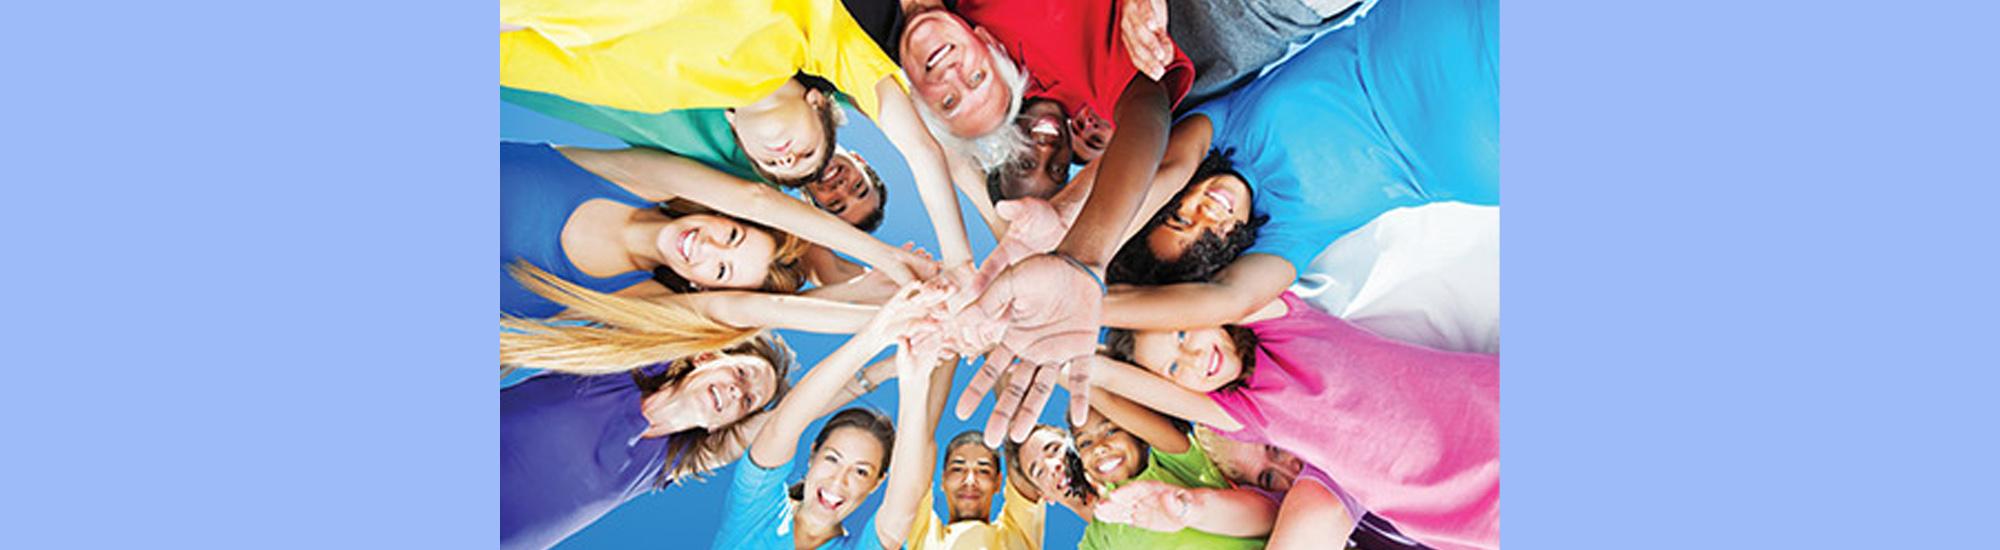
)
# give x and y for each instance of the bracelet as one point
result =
(861, 379)
(1101, 289)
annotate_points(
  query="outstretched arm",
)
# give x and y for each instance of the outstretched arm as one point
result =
(1158, 506)
(1148, 389)
(916, 445)
(658, 175)
(926, 159)
(748, 309)
(1237, 291)
(779, 439)
(1148, 425)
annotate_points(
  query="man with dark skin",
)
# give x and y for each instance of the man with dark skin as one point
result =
(972, 475)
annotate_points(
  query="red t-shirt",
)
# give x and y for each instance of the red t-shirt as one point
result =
(1071, 51)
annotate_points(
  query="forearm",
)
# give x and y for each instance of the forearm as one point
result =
(900, 124)
(909, 468)
(863, 290)
(776, 443)
(1149, 390)
(763, 310)
(1149, 425)
(1128, 164)
(1174, 307)
(1231, 512)
(875, 374)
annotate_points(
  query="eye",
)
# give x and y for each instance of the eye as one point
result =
(950, 102)
(1264, 479)
(978, 77)
(722, 272)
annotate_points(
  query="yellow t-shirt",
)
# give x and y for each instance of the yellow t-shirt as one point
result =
(1020, 527)
(653, 56)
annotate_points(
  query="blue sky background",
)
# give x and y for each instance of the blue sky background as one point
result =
(686, 516)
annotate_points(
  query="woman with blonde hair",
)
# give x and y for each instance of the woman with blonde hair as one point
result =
(594, 218)
(573, 447)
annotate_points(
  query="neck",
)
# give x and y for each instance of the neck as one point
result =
(665, 413)
(640, 238)
(812, 534)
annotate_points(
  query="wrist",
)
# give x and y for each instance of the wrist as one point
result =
(1087, 269)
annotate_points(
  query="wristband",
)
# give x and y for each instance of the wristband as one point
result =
(861, 379)
(1086, 270)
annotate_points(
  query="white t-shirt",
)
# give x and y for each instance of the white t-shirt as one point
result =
(1427, 275)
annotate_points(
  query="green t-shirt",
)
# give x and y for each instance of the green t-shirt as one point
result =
(1191, 469)
(700, 134)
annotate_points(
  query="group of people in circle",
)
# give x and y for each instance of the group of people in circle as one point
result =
(1255, 242)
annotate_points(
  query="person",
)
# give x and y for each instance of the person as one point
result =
(1312, 508)
(1409, 94)
(850, 455)
(1412, 432)
(972, 474)
(1222, 516)
(745, 57)
(590, 217)
(573, 447)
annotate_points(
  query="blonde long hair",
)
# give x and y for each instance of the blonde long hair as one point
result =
(629, 333)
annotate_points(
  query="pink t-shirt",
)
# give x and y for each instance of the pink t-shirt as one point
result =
(1413, 433)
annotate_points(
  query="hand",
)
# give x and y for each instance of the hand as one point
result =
(1142, 25)
(910, 310)
(907, 264)
(1149, 505)
(1051, 311)
(1033, 227)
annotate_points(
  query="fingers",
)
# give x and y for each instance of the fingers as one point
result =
(1030, 410)
(982, 382)
(1078, 380)
(1007, 406)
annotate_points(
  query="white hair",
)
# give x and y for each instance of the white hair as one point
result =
(1005, 142)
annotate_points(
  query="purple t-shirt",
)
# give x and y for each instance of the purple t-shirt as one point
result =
(1413, 433)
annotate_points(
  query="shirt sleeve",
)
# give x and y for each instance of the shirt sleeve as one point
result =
(867, 539)
(756, 497)
(1192, 468)
(841, 52)
(1021, 521)
(922, 524)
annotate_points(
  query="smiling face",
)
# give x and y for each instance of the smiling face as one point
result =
(1044, 171)
(844, 470)
(1110, 454)
(971, 476)
(844, 191)
(1218, 204)
(1089, 135)
(951, 70)
(722, 389)
(716, 252)
(1042, 460)
(788, 135)
(1201, 360)
(1263, 466)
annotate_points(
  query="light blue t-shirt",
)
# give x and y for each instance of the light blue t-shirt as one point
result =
(1403, 109)
(759, 514)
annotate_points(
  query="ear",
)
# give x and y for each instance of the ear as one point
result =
(815, 98)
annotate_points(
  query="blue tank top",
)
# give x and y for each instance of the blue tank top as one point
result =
(539, 189)
(1400, 110)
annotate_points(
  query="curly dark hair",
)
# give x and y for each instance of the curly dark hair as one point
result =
(874, 219)
(1079, 486)
(1118, 344)
(1136, 263)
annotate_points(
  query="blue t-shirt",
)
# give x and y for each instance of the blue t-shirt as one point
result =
(539, 189)
(759, 514)
(1400, 110)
